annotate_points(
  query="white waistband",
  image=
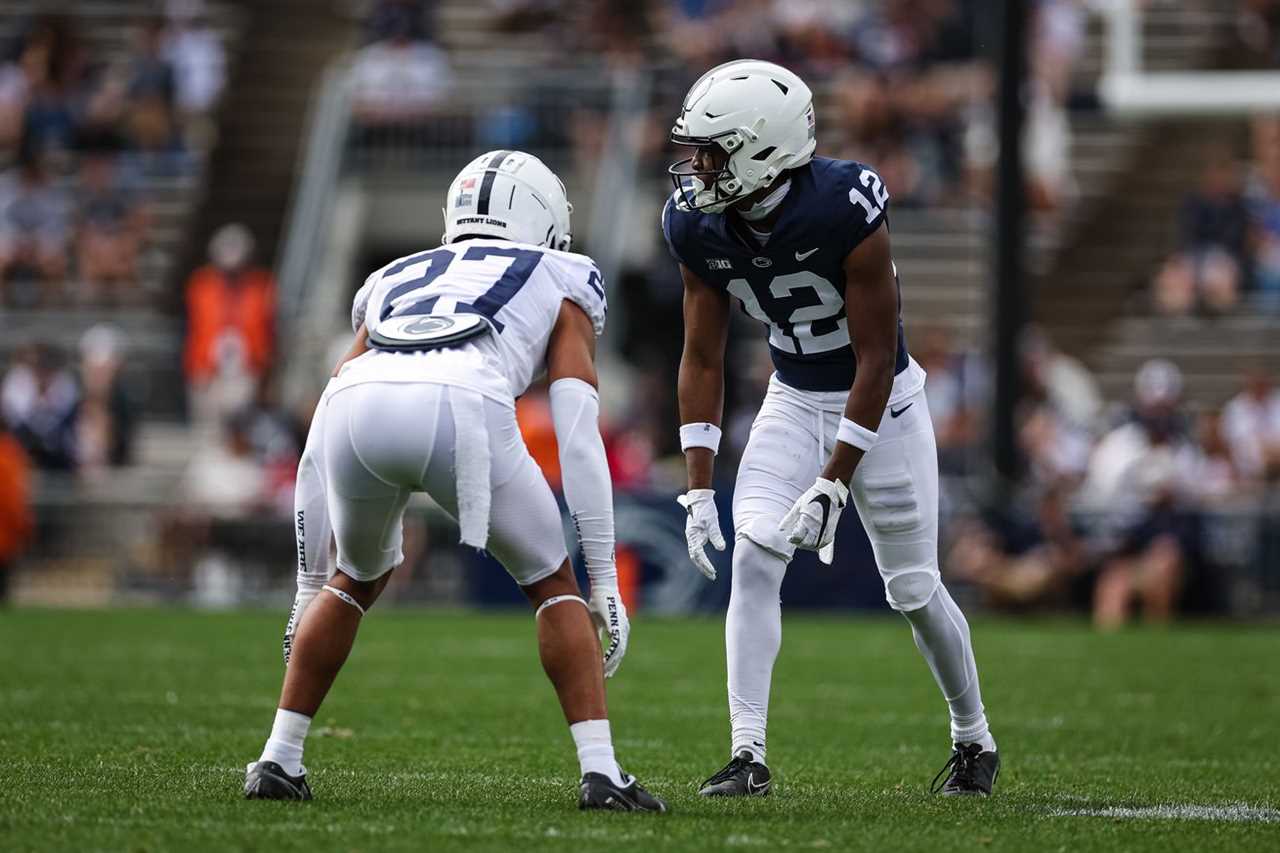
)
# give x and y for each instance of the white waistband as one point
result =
(906, 384)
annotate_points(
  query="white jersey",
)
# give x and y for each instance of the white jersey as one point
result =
(518, 287)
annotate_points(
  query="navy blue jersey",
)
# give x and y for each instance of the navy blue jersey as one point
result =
(795, 283)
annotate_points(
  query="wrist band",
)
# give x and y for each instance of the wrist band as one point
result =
(700, 435)
(855, 434)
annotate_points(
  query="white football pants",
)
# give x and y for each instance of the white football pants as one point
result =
(895, 491)
(382, 441)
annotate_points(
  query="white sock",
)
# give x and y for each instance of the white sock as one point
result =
(942, 635)
(752, 637)
(284, 747)
(595, 750)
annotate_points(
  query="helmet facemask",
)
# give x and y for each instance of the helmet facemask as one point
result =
(713, 190)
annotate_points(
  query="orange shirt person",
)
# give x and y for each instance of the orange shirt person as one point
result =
(230, 310)
(15, 513)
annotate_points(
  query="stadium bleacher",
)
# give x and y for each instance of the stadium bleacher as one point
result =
(329, 193)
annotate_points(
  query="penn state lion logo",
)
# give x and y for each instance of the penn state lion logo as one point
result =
(427, 326)
(427, 331)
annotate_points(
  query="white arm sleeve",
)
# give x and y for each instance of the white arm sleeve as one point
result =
(588, 489)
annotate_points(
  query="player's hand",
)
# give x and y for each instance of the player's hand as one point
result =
(811, 523)
(609, 615)
(702, 526)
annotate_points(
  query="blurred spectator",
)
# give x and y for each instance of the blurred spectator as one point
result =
(1023, 560)
(955, 389)
(533, 413)
(39, 400)
(230, 326)
(416, 16)
(225, 479)
(1257, 34)
(150, 112)
(1142, 476)
(107, 416)
(112, 226)
(276, 441)
(35, 225)
(1264, 211)
(52, 67)
(1057, 42)
(514, 16)
(1059, 380)
(194, 50)
(1209, 264)
(20, 76)
(1218, 477)
(1061, 406)
(1251, 426)
(16, 523)
(1054, 448)
(399, 78)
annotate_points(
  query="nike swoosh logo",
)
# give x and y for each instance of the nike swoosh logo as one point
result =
(753, 788)
(824, 502)
(895, 413)
(800, 256)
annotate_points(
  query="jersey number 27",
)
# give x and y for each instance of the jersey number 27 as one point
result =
(489, 303)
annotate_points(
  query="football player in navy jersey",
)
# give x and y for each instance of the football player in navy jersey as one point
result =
(803, 243)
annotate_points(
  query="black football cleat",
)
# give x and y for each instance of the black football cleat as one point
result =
(973, 772)
(266, 780)
(743, 776)
(599, 792)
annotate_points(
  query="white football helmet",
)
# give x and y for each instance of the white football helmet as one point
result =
(509, 195)
(758, 112)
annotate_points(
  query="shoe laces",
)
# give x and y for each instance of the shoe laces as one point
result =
(735, 766)
(962, 763)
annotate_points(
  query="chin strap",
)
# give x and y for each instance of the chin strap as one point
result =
(766, 205)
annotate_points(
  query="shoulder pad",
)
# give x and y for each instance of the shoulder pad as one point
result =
(360, 304)
(675, 228)
(856, 194)
(580, 282)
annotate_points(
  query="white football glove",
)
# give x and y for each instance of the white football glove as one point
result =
(702, 526)
(610, 618)
(811, 523)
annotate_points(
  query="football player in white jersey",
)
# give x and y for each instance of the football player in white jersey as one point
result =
(446, 339)
(803, 243)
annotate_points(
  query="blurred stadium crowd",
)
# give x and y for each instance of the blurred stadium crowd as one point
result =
(1118, 508)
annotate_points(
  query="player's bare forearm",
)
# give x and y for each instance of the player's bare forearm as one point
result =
(359, 347)
(871, 299)
(700, 392)
(700, 386)
(865, 407)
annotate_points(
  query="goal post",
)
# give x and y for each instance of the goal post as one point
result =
(1128, 90)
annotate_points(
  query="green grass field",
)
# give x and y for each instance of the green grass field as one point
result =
(130, 730)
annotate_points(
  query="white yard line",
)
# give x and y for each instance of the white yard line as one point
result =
(1230, 813)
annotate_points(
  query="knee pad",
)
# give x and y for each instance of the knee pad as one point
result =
(911, 588)
(757, 575)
